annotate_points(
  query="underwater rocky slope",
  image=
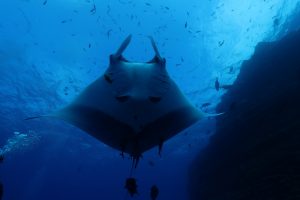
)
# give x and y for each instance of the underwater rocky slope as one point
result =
(255, 152)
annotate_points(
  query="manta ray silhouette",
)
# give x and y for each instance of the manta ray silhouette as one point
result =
(133, 106)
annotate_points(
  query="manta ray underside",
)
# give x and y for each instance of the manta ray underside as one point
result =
(133, 106)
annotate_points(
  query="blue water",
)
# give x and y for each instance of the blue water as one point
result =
(51, 50)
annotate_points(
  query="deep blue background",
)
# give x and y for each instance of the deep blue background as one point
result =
(45, 61)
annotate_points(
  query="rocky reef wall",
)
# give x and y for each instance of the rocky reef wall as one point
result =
(255, 152)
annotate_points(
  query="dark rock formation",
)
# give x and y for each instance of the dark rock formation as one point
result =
(255, 153)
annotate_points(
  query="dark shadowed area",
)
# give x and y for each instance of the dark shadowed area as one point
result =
(255, 153)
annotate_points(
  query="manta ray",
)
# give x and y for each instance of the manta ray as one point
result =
(133, 106)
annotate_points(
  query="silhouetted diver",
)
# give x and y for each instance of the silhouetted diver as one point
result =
(1, 185)
(131, 186)
(1, 190)
(1, 158)
(154, 192)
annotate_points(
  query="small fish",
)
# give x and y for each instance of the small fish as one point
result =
(108, 10)
(221, 43)
(205, 105)
(90, 45)
(226, 87)
(45, 2)
(108, 33)
(148, 4)
(93, 10)
(276, 22)
(217, 84)
(167, 8)
(185, 25)
(66, 20)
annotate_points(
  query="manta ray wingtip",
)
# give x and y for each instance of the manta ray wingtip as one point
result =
(213, 114)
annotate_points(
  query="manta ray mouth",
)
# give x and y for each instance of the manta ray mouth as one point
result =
(156, 59)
